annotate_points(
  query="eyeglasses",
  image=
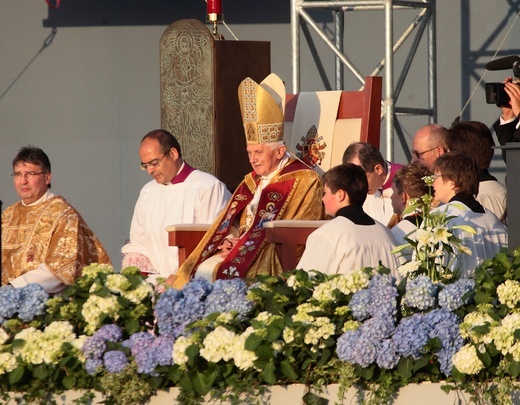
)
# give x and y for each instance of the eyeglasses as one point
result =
(153, 163)
(419, 154)
(29, 175)
(436, 176)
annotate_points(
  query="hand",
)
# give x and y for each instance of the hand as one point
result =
(513, 91)
(507, 111)
(226, 246)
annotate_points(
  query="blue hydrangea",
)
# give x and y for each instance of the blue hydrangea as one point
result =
(32, 302)
(377, 329)
(450, 297)
(360, 303)
(445, 326)
(229, 295)
(93, 366)
(115, 361)
(387, 356)
(94, 347)
(353, 348)
(109, 332)
(10, 299)
(174, 310)
(411, 335)
(381, 280)
(159, 352)
(138, 341)
(420, 293)
(384, 300)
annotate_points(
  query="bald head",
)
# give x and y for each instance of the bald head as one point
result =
(429, 142)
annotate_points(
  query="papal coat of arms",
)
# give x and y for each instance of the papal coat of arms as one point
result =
(311, 148)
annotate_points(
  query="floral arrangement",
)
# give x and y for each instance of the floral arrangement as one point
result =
(234, 339)
(432, 250)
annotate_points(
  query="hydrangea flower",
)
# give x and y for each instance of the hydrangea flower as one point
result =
(353, 348)
(115, 361)
(467, 361)
(450, 297)
(10, 299)
(509, 293)
(420, 293)
(229, 295)
(411, 335)
(32, 302)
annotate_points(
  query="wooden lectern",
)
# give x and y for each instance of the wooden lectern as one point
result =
(199, 96)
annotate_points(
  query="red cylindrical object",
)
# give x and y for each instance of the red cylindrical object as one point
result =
(214, 6)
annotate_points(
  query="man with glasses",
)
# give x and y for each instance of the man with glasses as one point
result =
(429, 142)
(44, 239)
(178, 194)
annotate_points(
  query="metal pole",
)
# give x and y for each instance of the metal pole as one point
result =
(339, 28)
(389, 80)
(295, 43)
(432, 64)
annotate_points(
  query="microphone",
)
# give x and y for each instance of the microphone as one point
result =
(502, 63)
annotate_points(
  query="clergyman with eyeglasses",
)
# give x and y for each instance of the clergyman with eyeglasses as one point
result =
(429, 142)
(44, 239)
(178, 194)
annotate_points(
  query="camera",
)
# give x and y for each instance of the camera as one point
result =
(495, 92)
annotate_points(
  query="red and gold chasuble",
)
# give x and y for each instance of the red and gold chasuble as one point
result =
(294, 193)
(244, 252)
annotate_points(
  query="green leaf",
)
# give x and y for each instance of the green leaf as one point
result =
(287, 370)
(481, 329)
(16, 375)
(269, 374)
(313, 399)
(132, 325)
(404, 367)
(252, 342)
(68, 382)
(40, 371)
(483, 298)
(517, 334)
(514, 368)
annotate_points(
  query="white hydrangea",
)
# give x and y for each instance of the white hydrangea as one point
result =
(292, 282)
(346, 283)
(302, 313)
(467, 361)
(179, 355)
(473, 320)
(509, 293)
(140, 293)
(78, 344)
(94, 269)
(117, 283)
(216, 345)
(243, 358)
(7, 363)
(503, 334)
(95, 306)
(288, 335)
(322, 328)
(44, 347)
(4, 336)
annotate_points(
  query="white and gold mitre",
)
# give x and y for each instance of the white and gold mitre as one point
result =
(262, 106)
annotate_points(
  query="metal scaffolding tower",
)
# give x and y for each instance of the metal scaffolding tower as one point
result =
(423, 22)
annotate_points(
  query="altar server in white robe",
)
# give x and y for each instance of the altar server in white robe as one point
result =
(353, 239)
(178, 194)
(456, 183)
(408, 188)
